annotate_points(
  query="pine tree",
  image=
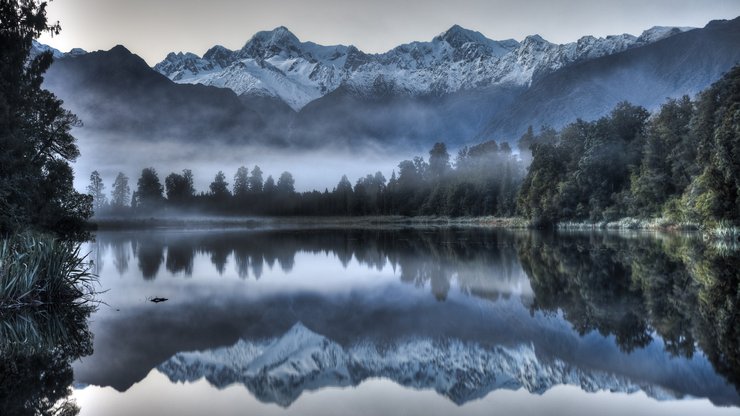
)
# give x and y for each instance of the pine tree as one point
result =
(255, 180)
(269, 187)
(96, 190)
(241, 182)
(121, 192)
(286, 184)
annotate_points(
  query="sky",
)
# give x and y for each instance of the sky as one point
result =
(153, 28)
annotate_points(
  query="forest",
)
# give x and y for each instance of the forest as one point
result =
(483, 181)
(681, 163)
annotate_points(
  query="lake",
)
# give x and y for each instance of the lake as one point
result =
(409, 321)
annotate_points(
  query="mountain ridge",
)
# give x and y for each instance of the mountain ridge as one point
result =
(276, 63)
(401, 99)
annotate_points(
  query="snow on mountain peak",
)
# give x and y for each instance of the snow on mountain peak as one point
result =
(460, 38)
(457, 36)
(657, 33)
(38, 48)
(271, 40)
(279, 370)
(276, 63)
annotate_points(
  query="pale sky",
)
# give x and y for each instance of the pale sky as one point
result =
(152, 28)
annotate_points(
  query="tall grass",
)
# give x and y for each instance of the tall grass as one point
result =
(37, 270)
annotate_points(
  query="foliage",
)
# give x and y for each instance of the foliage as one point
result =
(38, 270)
(180, 186)
(96, 190)
(35, 177)
(219, 187)
(483, 182)
(683, 163)
(148, 195)
(678, 288)
(121, 193)
(241, 182)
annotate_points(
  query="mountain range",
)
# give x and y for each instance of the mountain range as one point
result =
(460, 87)
(280, 370)
(276, 64)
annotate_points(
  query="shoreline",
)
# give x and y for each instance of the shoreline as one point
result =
(721, 233)
(185, 222)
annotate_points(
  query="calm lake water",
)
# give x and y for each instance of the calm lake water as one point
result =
(409, 321)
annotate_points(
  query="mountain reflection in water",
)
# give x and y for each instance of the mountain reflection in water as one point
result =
(460, 311)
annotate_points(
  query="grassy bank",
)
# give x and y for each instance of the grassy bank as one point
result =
(629, 223)
(37, 270)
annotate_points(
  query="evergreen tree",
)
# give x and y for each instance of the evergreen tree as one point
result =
(121, 192)
(344, 195)
(255, 180)
(219, 187)
(439, 161)
(148, 195)
(241, 182)
(96, 190)
(286, 184)
(269, 187)
(35, 131)
(179, 188)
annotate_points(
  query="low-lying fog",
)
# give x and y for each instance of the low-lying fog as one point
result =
(311, 169)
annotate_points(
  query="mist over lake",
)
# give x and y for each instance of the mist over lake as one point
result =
(364, 208)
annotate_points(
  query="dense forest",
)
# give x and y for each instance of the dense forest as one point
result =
(681, 163)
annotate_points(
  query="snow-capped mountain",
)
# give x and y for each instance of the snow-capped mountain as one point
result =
(39, 48)
(280, 370)
(460, 87)
(276, 64)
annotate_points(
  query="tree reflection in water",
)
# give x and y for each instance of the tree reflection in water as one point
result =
(627, 286)
(679, 288)
(36, 349)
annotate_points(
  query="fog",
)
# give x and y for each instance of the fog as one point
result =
(312, 169)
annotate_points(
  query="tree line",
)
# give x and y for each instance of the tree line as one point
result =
(483, 181)
(681, 163)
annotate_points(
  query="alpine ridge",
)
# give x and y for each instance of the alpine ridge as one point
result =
(276, 63)
(461, 87)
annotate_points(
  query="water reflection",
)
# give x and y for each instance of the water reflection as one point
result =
(486, 309)
(36, 351)
(423, 258)
(679, 289)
